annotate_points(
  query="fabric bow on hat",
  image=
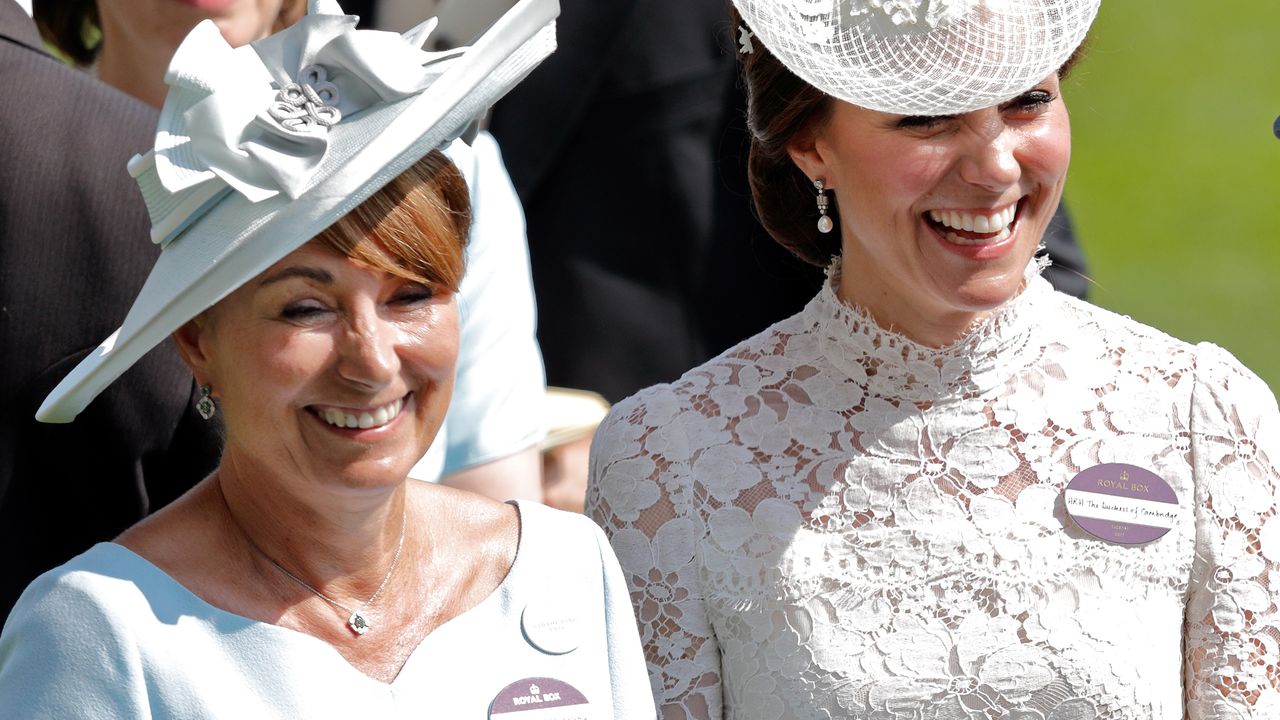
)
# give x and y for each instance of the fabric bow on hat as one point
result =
(256, 119)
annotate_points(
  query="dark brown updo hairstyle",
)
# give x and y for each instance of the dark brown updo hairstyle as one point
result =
(779, 107)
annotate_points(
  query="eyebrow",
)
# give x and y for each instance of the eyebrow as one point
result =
(311, 273)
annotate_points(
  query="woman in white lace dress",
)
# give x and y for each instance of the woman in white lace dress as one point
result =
(863, 511)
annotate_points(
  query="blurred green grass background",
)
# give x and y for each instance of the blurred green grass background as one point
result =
(1175, 176)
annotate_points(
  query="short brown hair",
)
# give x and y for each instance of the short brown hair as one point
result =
(415, 227)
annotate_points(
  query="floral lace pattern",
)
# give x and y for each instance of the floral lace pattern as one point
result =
(831, 521)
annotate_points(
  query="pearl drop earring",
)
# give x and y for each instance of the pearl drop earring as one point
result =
(825, 223)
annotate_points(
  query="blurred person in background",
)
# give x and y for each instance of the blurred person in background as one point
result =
(75, 251)
(490, 444)
(942, 489)
(128, 43)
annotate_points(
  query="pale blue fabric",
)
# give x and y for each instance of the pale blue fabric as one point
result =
(497, 406)
(109, 635)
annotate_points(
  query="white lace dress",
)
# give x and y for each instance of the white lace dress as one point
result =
(831, 521)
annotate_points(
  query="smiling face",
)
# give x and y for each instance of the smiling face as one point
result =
(328, 370)
(940, 216)
(335, 365)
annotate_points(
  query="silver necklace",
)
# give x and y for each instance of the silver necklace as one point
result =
(356, 620)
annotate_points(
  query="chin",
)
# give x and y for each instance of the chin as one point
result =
(376, 468)
(988, 293)
(372, 476)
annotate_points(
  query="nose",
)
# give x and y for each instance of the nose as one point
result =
(989, 157)
(367, 354)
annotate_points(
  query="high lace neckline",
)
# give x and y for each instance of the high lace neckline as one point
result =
(890, 365)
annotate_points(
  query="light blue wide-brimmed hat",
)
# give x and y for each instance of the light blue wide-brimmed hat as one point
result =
(262, 147)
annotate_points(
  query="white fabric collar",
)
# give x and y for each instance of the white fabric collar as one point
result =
(891, 365)
(25, 5)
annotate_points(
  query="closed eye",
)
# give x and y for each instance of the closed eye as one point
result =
(413, 295)
(303, 310)
(923, 122)
(1030, 101)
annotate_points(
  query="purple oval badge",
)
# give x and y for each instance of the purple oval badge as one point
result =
(539, 698)
(1121, 503)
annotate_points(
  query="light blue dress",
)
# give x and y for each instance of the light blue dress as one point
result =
(109, 635)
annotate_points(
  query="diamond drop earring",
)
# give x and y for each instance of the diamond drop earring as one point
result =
(205, 405)
(825, 223)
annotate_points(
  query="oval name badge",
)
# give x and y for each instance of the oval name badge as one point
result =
(1121, 503)
(552, 627)
(539, 698)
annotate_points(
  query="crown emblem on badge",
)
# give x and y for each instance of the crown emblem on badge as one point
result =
(1124, 476)
(533, 690)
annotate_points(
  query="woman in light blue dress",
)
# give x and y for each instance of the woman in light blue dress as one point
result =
(306, 193)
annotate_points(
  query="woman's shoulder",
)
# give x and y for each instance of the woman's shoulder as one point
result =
(1218, 368)
(1230, 400)
(644, 449)
(72, 634)
(109, 590)
(104, 581)
(551, 533)
(1220, 386)
(518, 535)
(1210, 364)
(1119, 329)
(734, 371)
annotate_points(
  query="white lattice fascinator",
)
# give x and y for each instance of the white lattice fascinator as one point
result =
(262, 147)
(921, 57)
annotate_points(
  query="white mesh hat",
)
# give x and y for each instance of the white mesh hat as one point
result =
(260, 148)
(921, 57)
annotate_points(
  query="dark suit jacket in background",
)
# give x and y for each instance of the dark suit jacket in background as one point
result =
(612, 146)
(74, 250)
(628, 148)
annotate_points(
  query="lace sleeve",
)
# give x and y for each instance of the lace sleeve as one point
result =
(1232, 660)
(640, 493)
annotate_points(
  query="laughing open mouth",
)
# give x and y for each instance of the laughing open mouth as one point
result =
(970, 228)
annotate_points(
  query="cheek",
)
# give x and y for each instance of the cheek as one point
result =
(430, 348)
(1047, 152)
(888, 172)
(890, 188)
(265, 371)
